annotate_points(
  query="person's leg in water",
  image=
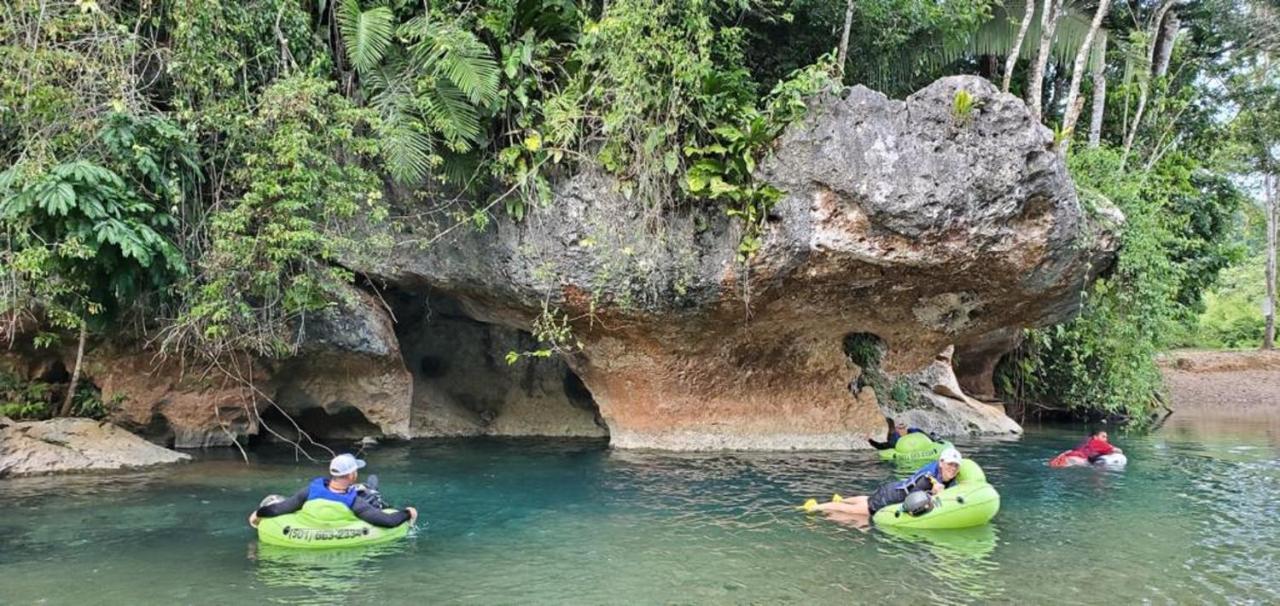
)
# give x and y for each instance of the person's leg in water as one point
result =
(856, 506)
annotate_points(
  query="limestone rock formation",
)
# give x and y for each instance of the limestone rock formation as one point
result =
(943, 408)
(463, 385)
(348, 381)
(901, 219)
(70, 445)
(168, 403)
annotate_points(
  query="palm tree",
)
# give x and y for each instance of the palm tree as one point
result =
(1028, 11)
(1000, 36)
(428, 80)
(1077, 70)
(844, 38)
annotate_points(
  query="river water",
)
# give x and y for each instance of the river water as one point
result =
(1193, 519)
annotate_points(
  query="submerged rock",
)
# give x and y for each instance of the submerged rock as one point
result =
(70, 445)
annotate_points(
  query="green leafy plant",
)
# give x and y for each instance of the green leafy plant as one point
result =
(1103, 362)
(428, 78)
(553, 328)
(87, 239)
(21, 399)
(901, 394)
(1060, 135)
(723, 170)
(271, 259)
(962, 107)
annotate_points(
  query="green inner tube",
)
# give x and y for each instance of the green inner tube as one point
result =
(971, 502)
(322, 524)
(914, 448)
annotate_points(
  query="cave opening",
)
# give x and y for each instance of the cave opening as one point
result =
(465, 384)
(346, 423)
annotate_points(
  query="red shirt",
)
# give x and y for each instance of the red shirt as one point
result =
(1092, 447)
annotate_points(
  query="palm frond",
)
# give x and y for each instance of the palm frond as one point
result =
(452, 115)
(928, 57)
(366, 34)
(456, 54)
(408, 152)
(402, 138)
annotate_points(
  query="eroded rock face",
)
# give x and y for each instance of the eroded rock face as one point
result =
(349, 379)
(943, 407)
(464, 386)
(900, 219)
(72, 445)
(168, 403)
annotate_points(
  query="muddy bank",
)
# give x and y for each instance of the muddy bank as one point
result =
(1226, 384)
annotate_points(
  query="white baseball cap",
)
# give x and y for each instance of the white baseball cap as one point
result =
(950, 455)
(344, 464)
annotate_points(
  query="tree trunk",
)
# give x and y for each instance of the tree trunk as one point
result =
(1099, 91)
(1144, 91)
(1077, 69)
(75, 372)
(988, 66)
(1057, 88)
(1035, 79)
(1162, 51)
(844, 37)
(1012, 59)
(1269, 185)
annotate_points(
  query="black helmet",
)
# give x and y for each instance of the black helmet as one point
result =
(918, 503)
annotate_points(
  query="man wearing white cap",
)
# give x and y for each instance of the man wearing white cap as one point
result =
(933, 478)
(340, 487)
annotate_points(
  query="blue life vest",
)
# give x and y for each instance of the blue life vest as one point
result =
(894, 437)
(319, 489)
(932, 469)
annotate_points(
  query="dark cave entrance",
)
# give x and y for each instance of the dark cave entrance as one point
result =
(463, 384)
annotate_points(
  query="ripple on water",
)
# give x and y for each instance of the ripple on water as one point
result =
(1190, 520)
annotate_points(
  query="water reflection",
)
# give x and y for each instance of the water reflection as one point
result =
(324, 576)
(959, 560)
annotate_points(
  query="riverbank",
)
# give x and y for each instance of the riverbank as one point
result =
(1223, 383)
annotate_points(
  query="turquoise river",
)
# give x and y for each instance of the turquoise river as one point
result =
(1195, 518)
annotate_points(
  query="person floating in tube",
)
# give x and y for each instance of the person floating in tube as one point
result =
(897, 429)
(340, 486)
(932, 478)
(1089, 451)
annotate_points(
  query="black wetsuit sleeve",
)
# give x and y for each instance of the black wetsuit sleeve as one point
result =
(921, 483)
(288, 505)
(879, 445)
(378, 517)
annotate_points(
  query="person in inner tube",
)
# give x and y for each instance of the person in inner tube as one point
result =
(340, 486)
(897, 429)
(932, 478)
(1095, 446)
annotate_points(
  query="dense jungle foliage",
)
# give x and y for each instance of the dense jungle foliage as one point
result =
(182, 170)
